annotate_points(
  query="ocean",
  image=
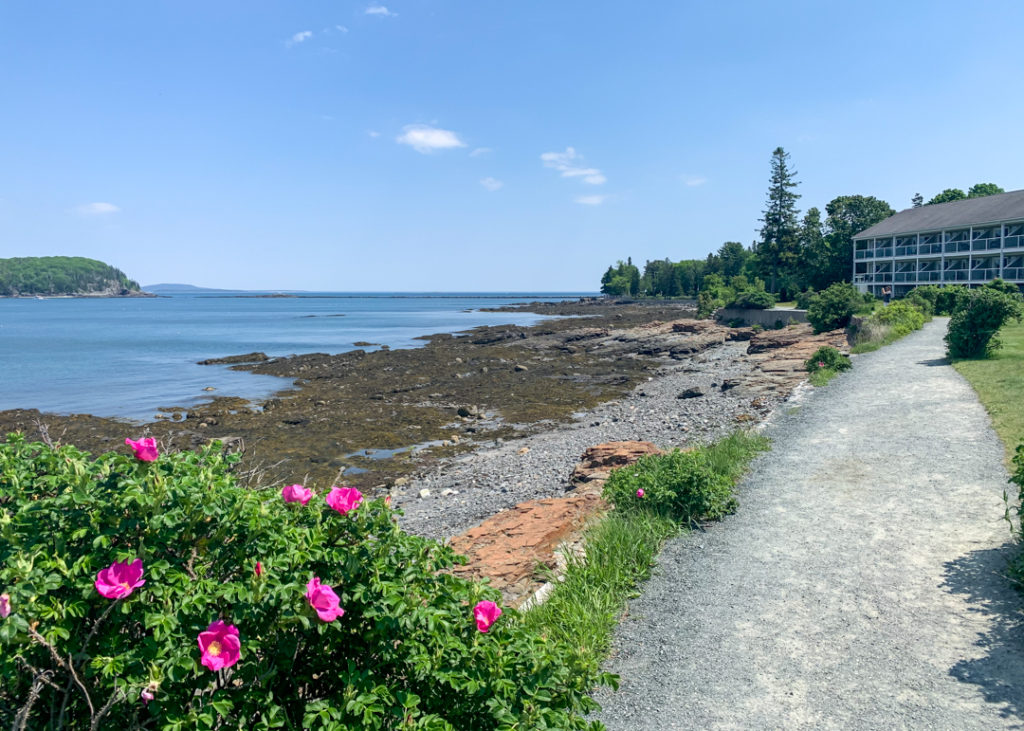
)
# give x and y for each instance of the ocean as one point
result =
(129, 357)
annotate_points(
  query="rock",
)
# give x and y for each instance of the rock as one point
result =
(231, 359)
(598, 462)
(729, 383)
(507, 547)
(523, 450)
(468, 411)
(401, 481)
(520, 368)
(448, 491)
(424, 493)
(209, 388)
(693, 392)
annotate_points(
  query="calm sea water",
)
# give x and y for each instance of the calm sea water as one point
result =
(129, 357)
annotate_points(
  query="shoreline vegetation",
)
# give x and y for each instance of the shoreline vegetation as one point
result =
(64, 276)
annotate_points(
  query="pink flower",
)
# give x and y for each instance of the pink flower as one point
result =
(120, 579)
(323, 599)
(145, 449)
(220, 645)
(344, 499)
(258, 569)
(821, 364)
(296, 494)
(486, 613)
(387, 502)
(640, 492)
(5, 605)
(146, 695)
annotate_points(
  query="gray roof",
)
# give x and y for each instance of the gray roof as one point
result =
(955, 214)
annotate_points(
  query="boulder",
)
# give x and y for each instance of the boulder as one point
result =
(691, 393)
(598, 462)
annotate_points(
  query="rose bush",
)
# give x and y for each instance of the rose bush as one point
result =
(254, 613)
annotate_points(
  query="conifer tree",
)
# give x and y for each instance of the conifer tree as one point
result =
(780, 236)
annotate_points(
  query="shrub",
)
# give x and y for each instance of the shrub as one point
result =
(682, 485)
(901, 316)
(943, 299)
(405, 654)
(1001, 286)
(832, 308)
(978, 316)
(753, 299)
(803, 299)
(1017, 568)
(922, 303)
(827, 358)
(707, 303)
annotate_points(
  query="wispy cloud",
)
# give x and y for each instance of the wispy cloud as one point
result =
(570, 165)
(591, 200)
(300, 37)
(694, 180)
(380, 10)
(373, 133)
(341, 29)
(492, 184)
(96, 209)
(480, 151)
(424, 138)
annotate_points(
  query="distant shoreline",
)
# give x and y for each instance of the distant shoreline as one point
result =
(81, 295)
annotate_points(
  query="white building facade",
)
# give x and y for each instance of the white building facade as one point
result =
(968, 242)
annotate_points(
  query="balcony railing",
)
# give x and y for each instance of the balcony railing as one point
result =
(906, 251)
(955, 275)
(865, 254)
(929, 276)
(954, 246)
(983, 275)
(1013, 273)
(924, 249)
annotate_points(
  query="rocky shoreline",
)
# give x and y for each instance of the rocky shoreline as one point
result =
(474, 423)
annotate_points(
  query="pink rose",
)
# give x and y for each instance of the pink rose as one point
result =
(821, 364)
(5, 605)
(323, 599)
(219, 645)
(296, 494)
(120, 579)
(145, 449)
(640, 492)
(486, 613)
(259, 569)
(344, 499)
(146, 695)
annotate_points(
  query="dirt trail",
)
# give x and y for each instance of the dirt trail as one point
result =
(858, 587)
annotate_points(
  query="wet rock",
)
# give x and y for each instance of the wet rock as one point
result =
(693, 392)
(255, 357)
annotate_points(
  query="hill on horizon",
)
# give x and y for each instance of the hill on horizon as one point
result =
(33, 276)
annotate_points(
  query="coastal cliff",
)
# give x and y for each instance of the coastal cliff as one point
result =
(64, 276)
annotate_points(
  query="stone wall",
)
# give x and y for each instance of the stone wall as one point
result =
(764, 318)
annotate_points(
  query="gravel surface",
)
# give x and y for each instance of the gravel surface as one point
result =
(858, 587)
(466, 490)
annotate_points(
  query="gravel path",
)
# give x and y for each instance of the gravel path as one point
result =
(858, 587)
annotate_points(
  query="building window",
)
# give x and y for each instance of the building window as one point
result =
(906, 246)
(930, 244)
(957, 241)
(984, 239)
(1014, 236)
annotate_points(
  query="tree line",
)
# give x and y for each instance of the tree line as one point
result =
(61, 275)
(792, 254)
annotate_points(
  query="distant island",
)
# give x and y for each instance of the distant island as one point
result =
(173, 288)
(64, 276)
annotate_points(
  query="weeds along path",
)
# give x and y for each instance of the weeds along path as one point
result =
(860, 584)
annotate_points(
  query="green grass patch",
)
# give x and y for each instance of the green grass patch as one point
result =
(585, 606)
(999, 382)
(822, 376)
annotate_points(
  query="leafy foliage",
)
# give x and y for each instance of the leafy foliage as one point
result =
(832, 308)
(847, 215)
(827, 357)
(902, 317)
(977, 318)
(754, 299)
(1017, 567)
(980, 190)
(55, 275)
(406, 653)
(681, 485)
(946, 196)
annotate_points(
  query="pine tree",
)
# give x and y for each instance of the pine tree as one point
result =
(918, 200)
(780, 235)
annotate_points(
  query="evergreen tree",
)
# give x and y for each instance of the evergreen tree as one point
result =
(917, 201)
(814, 252)
(780, 235)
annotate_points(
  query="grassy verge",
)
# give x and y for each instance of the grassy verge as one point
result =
(999, 382)
(822, 376)
(585, 606)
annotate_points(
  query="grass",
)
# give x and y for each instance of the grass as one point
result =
(791, 305)
(822, 376)
(620, 552)
(999, 382)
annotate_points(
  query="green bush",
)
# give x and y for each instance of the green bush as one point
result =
(827, 358)
(943, 299)
(902, 317)
(753, 299)
(803, 299)
(1017, 567)
(925, 305)
(682, 485)
(978, 316)
(1001, 286)
(405, 654)
(832, 308)
(707, 303)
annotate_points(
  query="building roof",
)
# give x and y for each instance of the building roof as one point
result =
(955, 214)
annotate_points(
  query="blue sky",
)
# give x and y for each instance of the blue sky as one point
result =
(441, 145)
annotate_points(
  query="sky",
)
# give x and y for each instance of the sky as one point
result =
(436, 145)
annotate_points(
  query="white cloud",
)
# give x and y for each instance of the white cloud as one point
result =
(492, 184)
(424, 138)
(480, 151)
(300, 37)
(341, 29)
(373, 133)
(380, 10)
(694, 180)
(96, 209)
(591, 200)
(569, 164)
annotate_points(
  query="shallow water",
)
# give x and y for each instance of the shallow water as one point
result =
(129, 357)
